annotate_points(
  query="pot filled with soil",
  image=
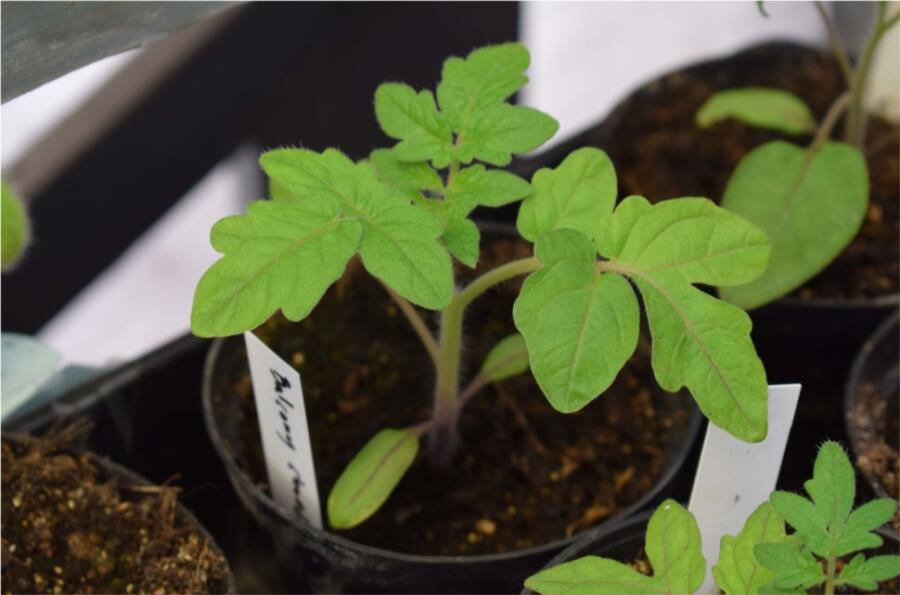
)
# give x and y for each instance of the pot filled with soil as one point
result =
(872, 409)
(79, 523)
(524, 483)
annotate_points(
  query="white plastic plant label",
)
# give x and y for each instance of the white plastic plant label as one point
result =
(285, 431)
(734, 477)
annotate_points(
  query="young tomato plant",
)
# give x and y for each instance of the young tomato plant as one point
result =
(811, 200)
(406, 210)
(762, 558)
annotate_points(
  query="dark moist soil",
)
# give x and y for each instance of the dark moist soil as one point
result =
(659, 153)
(524, 475)
(876, 419)
(67, 528)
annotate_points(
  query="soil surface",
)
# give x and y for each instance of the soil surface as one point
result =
(69, 528)
(876, 419)
(659, 152)
(524, 475)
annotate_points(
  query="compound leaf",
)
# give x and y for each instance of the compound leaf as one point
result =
(580, 325)
(578, 194)
(793, 567)
(762, 107)
(413, 119)
(806, 518)
(506, 359)
(462, 238)
(411, 176)
(810, 203)
(867, 573)
(737, 571)
(856, 534)
(475, 185)
(281, 254)
(494, 134)
(833, 485)
(371, 476)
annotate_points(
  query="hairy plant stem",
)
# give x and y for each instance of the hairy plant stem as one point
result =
(837, 46)
(829, 576)
(855, 131)
(830, 121)
(447, 400)
(416, 322)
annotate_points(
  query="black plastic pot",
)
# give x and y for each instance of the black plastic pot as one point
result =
(183, 517)
(625, 543)
(870, 401)
(808, 341)
(334, 563)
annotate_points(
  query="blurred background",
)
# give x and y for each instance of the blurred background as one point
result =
(129, 128)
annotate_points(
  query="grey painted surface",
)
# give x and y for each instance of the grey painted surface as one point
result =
(44, 40)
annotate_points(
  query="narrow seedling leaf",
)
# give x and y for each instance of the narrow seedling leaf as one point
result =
(672, 546)
(16, 230)
(738, 572)
(810, 203)
(508, 358)
(281, 254)
(413, 119)
(761, 107)
(581, 326)
(792, 566)
(578, 194)
(371, 476)
(865, 573)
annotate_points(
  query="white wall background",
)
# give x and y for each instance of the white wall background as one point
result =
(585, 57)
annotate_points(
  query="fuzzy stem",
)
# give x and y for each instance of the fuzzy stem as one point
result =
(837, 46)
(855, 132)
(446, 391)
(829, 577)
(830, 121)
(416, 322)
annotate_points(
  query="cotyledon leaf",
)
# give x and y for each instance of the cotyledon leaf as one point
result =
(281, 254)
(762, 107)
(371, 476)
(811, 203)
(509, 357)
(581, 326)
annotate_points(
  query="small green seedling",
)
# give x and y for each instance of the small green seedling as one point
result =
(811, 200)
(406, 210)
(16, 230)
(762, 558)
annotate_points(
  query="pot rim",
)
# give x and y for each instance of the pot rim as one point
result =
(112, 469)
(680, 452)
(855, 379)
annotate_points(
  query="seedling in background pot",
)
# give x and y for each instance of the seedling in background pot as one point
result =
(811, 200)
(406, 210)
(762, 558)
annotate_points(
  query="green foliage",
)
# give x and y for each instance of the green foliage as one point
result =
(672, 546)
(579, 195)
(738, 572)
(811, 203)
(758, 106)
(413, 119)
(16, 231)
(371, 476)
(580, 317)
(827, 526)
(508, 358)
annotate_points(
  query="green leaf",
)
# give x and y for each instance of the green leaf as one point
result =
(811, 205)
(693, 237)
(488, 76)
(282, 254)
(866, 574)
(462, 238)
(592, 575)
(410, 176)
(475, 185)
(761, 107)
(413, 119)
(371, 476)
(737, 571)
(578, 194)
(495, 133)
(614, 231)
(672, 546)
(810, 522)
(508, 358)
(792, 566)
(16, 230)
(833, 486)
(399, 240)
(580, 325)
(279, 192)
(856, 533)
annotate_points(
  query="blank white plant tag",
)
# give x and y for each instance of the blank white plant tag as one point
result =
(285, 431)
(734, 477)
